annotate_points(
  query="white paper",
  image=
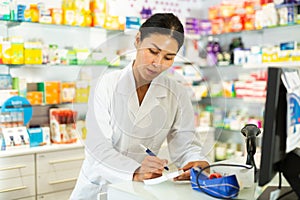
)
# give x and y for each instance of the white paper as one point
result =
(163, 178)
(291, 81)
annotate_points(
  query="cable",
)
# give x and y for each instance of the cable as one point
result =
(254, 165)
(216, 165)
(280, 181)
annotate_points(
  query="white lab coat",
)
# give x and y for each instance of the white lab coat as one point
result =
(117, 125)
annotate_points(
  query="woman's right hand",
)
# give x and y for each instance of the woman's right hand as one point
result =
(151, 167)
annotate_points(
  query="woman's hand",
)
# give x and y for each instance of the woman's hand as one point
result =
(152, 167)
(186, 175)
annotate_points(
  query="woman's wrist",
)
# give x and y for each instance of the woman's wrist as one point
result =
(136, 175)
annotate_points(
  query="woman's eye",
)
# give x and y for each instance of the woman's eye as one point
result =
(154, 52)
(169, 58)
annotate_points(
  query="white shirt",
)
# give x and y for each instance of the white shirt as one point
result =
(117, 125)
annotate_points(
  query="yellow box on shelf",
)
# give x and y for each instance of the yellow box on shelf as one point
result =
(17, 53)
(33, 53)
(82, 91)
(1, 41)
(6, 52)
(296, 55)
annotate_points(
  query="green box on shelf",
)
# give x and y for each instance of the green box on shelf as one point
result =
(20, 84)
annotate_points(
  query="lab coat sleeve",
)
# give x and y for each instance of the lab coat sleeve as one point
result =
(111, 164)
(183, 143)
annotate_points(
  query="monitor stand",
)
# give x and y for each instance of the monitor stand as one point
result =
(291, 170)
(266, 193)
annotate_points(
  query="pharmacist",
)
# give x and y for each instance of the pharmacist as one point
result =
(139, 105)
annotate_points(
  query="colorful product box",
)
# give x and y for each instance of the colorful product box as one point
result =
(82, 91)
(205, 27)
(33, 53)
(6, 94)
(133, 23)
(68, 92)
(5, 10)
(5, 81)
(217, 26)
(20, 84)
(17, 49)
(16, 137)
(35, 97)
(39, 136)
(6, 52)
(51, 91)
(1, 41)
(63, 126)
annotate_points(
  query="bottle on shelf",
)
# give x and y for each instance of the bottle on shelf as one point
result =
(235, 43)
(211, 58)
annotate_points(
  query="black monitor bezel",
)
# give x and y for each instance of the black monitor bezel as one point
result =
(274, 132)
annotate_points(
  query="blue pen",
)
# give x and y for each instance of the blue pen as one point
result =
(150, 153)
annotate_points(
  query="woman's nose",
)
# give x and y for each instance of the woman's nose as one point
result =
(158, 60)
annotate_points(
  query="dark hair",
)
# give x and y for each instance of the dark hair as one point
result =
(163, 23)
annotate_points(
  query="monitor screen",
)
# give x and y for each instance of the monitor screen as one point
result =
(274, 138)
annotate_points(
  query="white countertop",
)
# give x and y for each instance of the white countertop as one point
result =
(40, 149)
(167, 190)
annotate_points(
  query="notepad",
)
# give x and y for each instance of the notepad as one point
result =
(163, 178)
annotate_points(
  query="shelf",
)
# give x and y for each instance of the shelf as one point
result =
(289, 64)
(198, 37)
(283, 5)
(58, 105)
(248, 100)
(11, 24)
(40, 149)
(47, 66)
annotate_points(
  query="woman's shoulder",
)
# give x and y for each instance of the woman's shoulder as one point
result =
(110, 77)
(173, 83)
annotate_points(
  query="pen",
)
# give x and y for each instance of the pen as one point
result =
(150, 153)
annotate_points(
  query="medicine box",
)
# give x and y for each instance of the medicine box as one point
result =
(35, 97)
(6, 94)
(67, 92)
(82, 91)
(51, 91)
(15, 137)
(5, 81)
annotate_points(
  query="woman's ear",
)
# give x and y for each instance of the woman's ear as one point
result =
(137, 40)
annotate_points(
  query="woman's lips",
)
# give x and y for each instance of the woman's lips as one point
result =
(151, 72)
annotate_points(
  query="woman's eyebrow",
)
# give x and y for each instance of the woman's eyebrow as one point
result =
(169, 54)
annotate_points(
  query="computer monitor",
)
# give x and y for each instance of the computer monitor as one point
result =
(274, 157)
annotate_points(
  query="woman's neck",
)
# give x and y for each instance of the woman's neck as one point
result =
(141, 84)
(141, 92)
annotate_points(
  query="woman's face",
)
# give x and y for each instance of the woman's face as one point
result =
(155, 54)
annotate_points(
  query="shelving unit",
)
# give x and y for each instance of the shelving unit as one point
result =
(217, 74)
(50, 172)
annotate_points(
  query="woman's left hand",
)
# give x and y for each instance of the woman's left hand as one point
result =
(186, 174)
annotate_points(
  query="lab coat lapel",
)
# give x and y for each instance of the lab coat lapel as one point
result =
(155, 93)
(126, 91)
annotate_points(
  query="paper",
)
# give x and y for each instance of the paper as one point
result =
(163, 178)
(291, 81)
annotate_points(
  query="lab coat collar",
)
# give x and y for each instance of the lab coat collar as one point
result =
(126, 83)
(126, 88)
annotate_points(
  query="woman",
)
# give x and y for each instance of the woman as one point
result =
(139, 105)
